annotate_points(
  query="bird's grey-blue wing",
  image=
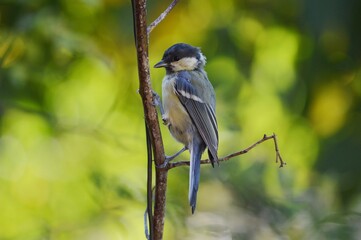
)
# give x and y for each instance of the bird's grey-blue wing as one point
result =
(201, 113)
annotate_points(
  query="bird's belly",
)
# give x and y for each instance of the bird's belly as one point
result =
(179, 123)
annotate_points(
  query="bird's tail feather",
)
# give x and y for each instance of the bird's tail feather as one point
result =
(194, 175)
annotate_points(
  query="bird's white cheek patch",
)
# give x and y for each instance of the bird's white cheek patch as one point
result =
(188, 64)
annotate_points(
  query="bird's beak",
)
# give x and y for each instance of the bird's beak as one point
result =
(161, 64)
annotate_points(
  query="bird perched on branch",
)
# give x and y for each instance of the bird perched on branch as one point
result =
(189, 108)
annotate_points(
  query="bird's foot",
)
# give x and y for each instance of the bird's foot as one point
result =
(156, 99)
(170, 158)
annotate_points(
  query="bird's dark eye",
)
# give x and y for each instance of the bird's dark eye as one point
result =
(175, 58)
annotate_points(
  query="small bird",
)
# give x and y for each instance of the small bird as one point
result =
(189, 108)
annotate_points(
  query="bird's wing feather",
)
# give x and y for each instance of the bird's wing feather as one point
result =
(201, 113)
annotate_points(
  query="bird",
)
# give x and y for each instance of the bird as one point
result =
(188, 108)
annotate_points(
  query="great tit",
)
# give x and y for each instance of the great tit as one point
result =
(189, 108)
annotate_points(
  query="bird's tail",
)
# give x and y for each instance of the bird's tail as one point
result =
(194, 174)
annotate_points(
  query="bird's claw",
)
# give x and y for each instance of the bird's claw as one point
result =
(167, 159)
(165, 121)
(165, 163)
(156, 99)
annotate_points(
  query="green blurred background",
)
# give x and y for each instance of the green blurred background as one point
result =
(72, 144)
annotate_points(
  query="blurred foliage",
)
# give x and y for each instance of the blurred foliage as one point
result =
(72, 144)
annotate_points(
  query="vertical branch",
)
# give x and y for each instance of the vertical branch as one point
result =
(150, 114)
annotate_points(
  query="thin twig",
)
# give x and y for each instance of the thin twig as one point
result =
(146, 232)
(148, 213)
(226, 158)
(162, 16)
(149, 185)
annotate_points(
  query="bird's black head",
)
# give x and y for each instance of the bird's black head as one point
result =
(180, 57)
